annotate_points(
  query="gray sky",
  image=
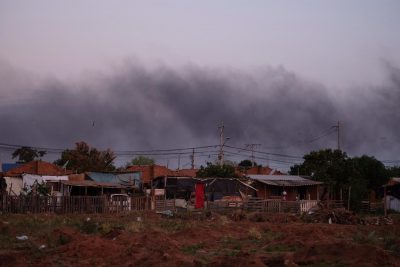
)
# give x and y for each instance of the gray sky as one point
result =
(338, 43)
(162, 74)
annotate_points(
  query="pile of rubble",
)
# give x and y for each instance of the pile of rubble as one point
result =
(343, 216)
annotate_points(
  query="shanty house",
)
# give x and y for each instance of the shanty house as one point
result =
(152, 172)
(296, 187)
(393, 194)
(215, 189)
(102, 183)
(25, 175)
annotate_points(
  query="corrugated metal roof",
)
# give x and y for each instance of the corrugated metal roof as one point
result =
(289, 183)
(126, 179)
(284, 180)
(278, 177)
(5, 167)
(92, 184)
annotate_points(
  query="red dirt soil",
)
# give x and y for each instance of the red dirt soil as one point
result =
(214, 241)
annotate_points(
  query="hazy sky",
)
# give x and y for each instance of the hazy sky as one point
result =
(338, 43)
(164, 74)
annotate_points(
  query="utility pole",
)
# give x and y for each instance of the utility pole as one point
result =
(179, 161)
(252, 147)
(338, 135)
(337, 126)
(192, 158)
(222, 142)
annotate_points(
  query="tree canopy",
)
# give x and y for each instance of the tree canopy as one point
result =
(338, 171)
(27, 154)
(142, 160)
(85, 158)
(211, 170)
(246, 163)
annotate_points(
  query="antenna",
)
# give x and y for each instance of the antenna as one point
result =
(252, 147)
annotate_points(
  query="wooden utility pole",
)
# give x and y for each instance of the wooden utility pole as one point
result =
(384, 200)
(221, 144)
(192, 158)
(338, 135)
(348, 199)
(252, 147)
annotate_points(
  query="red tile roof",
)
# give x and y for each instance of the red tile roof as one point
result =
(150, 172)
(39, 168)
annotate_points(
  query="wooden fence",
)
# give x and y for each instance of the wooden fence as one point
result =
(73, 204)
(265, 205)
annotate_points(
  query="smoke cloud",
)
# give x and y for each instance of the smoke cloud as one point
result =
(134, 107)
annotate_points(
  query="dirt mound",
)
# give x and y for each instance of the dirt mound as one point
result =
(351, 254)
(272, 217)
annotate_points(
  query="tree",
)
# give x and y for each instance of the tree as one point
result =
(211, 170)
(393, 171)
(84, 158)
(326, 165)
(246, 164)
(27, 154)
(339, 172)
(142, 160)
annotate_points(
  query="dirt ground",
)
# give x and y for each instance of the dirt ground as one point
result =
(191, 239)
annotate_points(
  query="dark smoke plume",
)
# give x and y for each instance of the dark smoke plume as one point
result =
(138, 108)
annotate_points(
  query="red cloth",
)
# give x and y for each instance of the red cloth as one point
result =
(199, 196)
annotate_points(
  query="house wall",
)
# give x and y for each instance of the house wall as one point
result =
(393, 203)
(274, 192)
(15, 184)
(148, 173)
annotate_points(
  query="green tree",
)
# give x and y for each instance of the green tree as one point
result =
(328, 166)
(27, 154)
(246, 164)
(371, 170)
(211, 170)
(85, 158)
(142, 160)
(339, 172)
(393, 171)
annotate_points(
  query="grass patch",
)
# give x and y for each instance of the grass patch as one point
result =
(192, 249)
(370, 238)
(392, 244)
(255, 234)
(270, 235)
(173, 225)
(326, 264)
(280, 248)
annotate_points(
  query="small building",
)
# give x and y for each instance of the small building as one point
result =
(393, 194)
(102, 183)
(216, 189)
(296, 187)
(14, 176)
(152, 172)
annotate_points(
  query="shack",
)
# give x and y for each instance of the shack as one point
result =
(295, 187)
(102, 183)
(215, 189)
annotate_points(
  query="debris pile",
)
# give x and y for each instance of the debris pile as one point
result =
(342, 216)
(338, 216)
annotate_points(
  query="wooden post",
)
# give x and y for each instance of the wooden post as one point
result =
(384, 199)
(329, 196)
(348, 199)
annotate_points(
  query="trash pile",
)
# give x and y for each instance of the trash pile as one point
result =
(343, 216)
(338, 216)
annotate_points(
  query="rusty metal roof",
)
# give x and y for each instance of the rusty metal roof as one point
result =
(88, 183)
(284, 180)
